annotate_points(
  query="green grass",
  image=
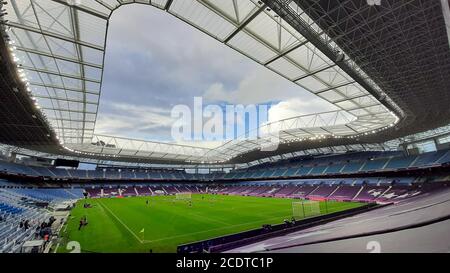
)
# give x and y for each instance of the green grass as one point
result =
(114, 224)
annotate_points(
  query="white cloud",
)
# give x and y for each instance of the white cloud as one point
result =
(255, 87)
(264, 86)
(154, 61)
(128, 120)
(296, 107)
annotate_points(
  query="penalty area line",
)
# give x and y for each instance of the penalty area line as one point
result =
(206, 231)
(123, 224)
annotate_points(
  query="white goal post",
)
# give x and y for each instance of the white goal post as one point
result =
(305, 208)
(183, 195)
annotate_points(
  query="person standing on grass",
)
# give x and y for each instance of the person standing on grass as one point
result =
(81, 224)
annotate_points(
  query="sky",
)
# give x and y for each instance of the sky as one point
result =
(154, 62)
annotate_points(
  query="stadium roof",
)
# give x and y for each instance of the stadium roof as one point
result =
(374, 63)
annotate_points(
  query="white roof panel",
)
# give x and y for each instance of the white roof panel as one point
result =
(61, 47)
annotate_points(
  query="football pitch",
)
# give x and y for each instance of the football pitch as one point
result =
(131, 225)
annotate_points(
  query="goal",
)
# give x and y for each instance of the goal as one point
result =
(183, 196)
(305, 209)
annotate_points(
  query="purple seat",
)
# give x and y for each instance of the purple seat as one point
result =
(345, 193)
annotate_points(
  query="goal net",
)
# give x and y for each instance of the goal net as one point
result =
(305, 209)
(183, 196)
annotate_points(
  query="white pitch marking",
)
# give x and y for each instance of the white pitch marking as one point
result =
(205, 231)
(118, 219)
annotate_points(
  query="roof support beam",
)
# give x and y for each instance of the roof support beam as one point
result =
(71, 128)
(67, 110)
(105, 5)
(245, 23)
(58, 57)
(314, 72)
(54, 35)
(64, 99)
(168, 4)
(84, 9)
(71, 120)
(286, 52)
(351, 98)
(60, 74)
(334, 87)
(282, 8)
(64, 88)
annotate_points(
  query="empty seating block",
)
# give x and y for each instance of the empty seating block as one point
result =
(400, 162)
(352, 167)
(318, 170)
(335, 168)
(428, 158)
(375, 164)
